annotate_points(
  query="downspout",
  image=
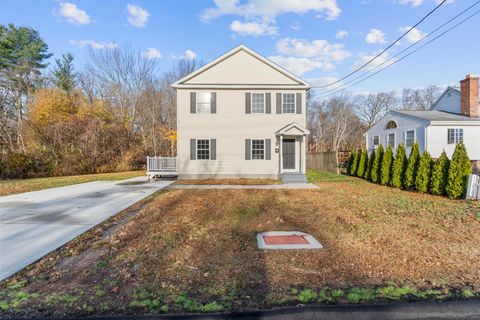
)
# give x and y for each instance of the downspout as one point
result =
(425, 140)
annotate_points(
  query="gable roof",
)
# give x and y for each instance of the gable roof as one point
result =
(295, 82)
(292, 126)
(451, 89)
(434, 115)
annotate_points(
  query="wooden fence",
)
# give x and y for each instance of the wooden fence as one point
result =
(326, 161)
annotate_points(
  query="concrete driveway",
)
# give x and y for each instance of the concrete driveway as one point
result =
(34, 223)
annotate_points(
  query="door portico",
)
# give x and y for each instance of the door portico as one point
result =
(291, 141)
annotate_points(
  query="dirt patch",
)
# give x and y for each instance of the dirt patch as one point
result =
(229, 182)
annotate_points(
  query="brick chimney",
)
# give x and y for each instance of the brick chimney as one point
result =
(469, 96)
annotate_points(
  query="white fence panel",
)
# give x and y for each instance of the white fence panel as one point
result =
(473, 189)
(161, 165)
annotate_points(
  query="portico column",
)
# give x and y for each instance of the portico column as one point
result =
(280, 154)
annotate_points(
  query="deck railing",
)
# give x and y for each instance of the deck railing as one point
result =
(162, 164)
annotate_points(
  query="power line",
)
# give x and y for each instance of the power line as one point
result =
(404, 57)
(391, 45)
(404, 50)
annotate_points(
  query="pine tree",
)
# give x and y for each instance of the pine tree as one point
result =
(412, 167)
(362, 164)
(386, 172)
(377, 165)
(349, 163)
(439, 178)
(63, 74)
(355, 161)
(422, 178)
(398, 167)
(460, 169)
(371, 159)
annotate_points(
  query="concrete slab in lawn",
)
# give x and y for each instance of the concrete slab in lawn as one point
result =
(34, 223)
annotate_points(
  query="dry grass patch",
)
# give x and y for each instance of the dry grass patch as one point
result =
(195, 250)
(243, 182)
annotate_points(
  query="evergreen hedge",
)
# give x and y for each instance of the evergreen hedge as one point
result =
(398, 167)
(355, 160)
(377, 165)
(412, 167)
(349, 164)
(386, 171)
(423, 174)
(362, 164)
(460, 169)
(371, 159)
(439, 178)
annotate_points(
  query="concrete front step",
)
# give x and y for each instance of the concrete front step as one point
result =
(293, 178)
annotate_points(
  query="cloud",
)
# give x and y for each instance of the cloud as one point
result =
(414, 35)
(93, 44)
(319, 49)
(137, 16)
(152, 53)
(341, 34)
(364, 57)
(325, 81)
(189, 55)
(300, 66)
(416, 3)
(73, 14)
(295, 26)
(253, 28)
(375, 36)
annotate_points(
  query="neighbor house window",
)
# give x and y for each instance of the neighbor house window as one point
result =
(409, 138)
(203, 149)
(455, 136)
(391, 125)
(258, 103)
(258, 149)
(288, 103)
(391, 140)
(204, 102)
(376, 142)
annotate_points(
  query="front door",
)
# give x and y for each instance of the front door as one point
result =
(288, 154)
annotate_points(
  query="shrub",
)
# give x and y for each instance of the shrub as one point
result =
(439, 177)
(412, 167)
(398, 167)
(458, 172)
(362, 164)
(368, 173)
(386, 172)
(377, 165)
(355, 161)
(350, 163)
(423, 173)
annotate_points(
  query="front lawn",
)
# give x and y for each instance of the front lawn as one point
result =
(8, 187)
(244, 182)
(188, 250)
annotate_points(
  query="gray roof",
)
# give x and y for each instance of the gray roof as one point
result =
(437, 116)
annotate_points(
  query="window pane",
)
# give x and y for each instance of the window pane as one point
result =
(258, 103)
(410, 138)
(288, 103)
(203, 102)
(203, 149)
(391, 140)
(258, 149)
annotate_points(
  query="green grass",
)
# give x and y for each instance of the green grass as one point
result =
(8, 187)
(314, 176)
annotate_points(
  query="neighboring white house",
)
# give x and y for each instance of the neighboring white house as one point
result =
(241, 116)
(453, 118)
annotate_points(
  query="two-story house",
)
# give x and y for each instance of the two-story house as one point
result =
(241, 116)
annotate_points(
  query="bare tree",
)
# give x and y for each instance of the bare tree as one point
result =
(420, 99)
(370, 108)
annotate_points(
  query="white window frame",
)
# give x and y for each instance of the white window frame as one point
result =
(294, 103)
(414, 138)
(394, 140)
(264, 103)
(456, 136)
(197, 103)
(375, 146)
(251, 149)
(209, 148)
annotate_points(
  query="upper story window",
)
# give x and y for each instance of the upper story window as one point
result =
(376, 142)
(258, 102)
(258, 149)
(204, 102)
(391, 140)
(409, 138)
(288, 103)
(455, 136)
(391, 125)
(203, 149)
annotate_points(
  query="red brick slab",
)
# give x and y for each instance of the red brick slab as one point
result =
(285, 240)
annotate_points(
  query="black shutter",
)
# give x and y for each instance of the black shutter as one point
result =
(193, 102)
(248, 105)
(248, 155)
(279, 103)
(268, 149)
(299, 103)
(193, 149)
(213, 149)
(268, 103)
(213, 102)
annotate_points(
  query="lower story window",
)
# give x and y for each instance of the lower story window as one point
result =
(455, 136)
(258, 149)
(409, 138)
(391, 140)
(376, 142)
(203, 149)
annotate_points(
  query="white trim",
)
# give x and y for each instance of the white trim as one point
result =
(209, 149)
(312, 242)
(294, 103)
(414, 138)
(264, 103)
(264, 149)
(291, 125)
(297, 153)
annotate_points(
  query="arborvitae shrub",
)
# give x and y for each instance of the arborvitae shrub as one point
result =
(412, 167)
(460, 169)
(386, 172)
(377, 165)
(398, 167)
(362, 164)
(439, 177)
(371, 159)
(423, 173)
(349, 164)
(355, 161)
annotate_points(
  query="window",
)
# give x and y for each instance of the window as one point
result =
(376, 142)
(391, 140)
(391, 125)
(203, 149)
(455, 136)
(258, 103)
(258, 149)
(409, 138)
(204, 100)
(288, 103)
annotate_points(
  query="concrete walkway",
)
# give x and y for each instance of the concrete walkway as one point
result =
(264, 187)
(34, 223)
